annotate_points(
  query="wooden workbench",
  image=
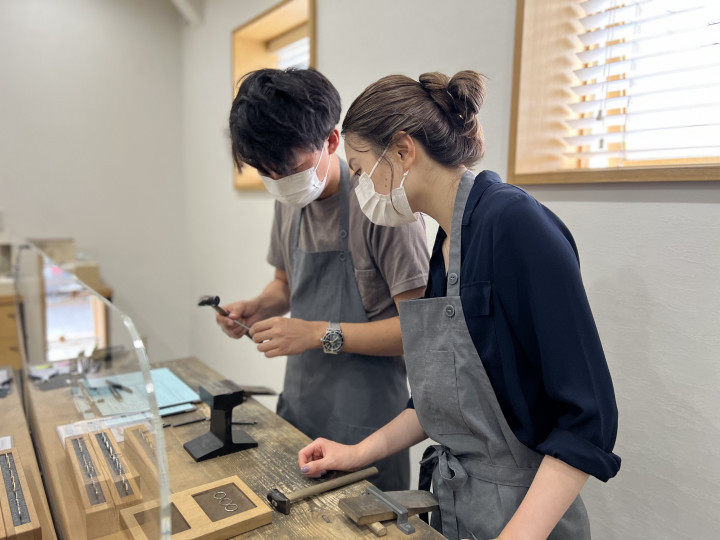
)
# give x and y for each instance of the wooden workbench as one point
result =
(12, 422)
(273, 464)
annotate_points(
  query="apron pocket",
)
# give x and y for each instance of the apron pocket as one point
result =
(436, 395)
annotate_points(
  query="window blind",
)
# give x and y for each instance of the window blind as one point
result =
(295, 55)
(648, 83)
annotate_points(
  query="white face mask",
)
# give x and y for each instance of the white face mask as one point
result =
(390, 210)
(299, 189)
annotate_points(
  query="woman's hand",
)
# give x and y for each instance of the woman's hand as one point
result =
(323, 455)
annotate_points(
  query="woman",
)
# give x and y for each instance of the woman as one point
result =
(506, 368)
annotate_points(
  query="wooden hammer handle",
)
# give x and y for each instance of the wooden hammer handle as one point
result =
(332, 484)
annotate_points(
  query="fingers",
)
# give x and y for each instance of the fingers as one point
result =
(270, 334)
(311, 459)
(228, 326)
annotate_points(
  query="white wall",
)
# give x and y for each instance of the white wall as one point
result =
(228, 231)
(90, 147)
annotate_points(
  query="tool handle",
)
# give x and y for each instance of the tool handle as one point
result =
(224, 313)
(332, 484)
(221, 311)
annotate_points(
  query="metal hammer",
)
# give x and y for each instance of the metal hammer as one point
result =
(282, 502)
(213, 302)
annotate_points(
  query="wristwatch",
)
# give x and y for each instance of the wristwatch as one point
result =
(332, 341)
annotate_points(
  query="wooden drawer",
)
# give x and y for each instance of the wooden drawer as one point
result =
(10, 353)
(8, 321)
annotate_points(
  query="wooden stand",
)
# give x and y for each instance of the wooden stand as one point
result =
(91, 486)
(16, 507)
(139, 447)
(213, 511)
(122, 476)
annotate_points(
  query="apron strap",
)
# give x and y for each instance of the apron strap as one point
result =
(453, 476)
(344, 205)
(453, 277)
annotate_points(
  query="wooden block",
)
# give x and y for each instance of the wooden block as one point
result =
(213, 511)
(8, 320)
(16, 505)
(366, 509)
(91, 487)
(122, 476)
(139, 448)
(378, 528)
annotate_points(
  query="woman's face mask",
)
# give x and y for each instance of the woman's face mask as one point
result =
(299, 189)
(390, 210)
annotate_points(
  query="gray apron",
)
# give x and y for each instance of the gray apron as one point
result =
(480, 471)
(343, 397)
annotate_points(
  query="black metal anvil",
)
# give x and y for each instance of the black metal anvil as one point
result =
(223, 438)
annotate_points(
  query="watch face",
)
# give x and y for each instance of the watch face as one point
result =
(333, 341)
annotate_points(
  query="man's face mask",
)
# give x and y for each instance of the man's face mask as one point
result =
(299, 189)
(390, 210)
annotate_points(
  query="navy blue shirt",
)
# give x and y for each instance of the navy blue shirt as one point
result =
(530, 321)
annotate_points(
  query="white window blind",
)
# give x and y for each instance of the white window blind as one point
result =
(295, 55)
(648, 85)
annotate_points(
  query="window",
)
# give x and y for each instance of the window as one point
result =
(612, 91)
(281, 37)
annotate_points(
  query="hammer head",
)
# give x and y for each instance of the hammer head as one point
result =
(279, 501)
(209, 301)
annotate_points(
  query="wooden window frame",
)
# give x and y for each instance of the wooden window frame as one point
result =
(532, 117)
(253, 47)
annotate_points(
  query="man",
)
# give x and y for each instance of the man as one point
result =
(338, 274)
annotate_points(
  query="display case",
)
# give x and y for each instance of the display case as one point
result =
(93, 403)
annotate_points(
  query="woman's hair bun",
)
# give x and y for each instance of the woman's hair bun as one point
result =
(468, 90)
(459, 97)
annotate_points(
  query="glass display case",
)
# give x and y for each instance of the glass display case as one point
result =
(94, 406)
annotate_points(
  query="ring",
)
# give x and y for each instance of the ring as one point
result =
(221, 493)
(228, 499)
(228, 509)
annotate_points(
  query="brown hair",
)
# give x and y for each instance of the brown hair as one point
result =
(437, 111)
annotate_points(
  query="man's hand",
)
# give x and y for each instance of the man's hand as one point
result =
(245, 311)
(282, 336)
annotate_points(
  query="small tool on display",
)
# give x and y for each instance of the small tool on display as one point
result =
(118, 386)
(282, 502)
(213, 302)
(115, 388)
(114, 392)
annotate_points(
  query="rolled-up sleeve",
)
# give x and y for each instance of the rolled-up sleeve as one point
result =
(558, 354)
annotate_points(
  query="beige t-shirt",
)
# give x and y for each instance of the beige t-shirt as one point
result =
(387, 260)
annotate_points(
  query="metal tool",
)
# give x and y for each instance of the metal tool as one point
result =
(213, 302)
(282, 502)
(114, 391)
(375, 506)
(223, 437)
(119, 386)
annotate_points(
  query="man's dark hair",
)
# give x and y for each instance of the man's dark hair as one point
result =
(277, 112)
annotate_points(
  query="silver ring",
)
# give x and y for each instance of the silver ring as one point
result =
(228, 499)
(221, 493)
(228, 509)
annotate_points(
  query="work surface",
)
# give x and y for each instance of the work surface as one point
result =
(273, 464)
